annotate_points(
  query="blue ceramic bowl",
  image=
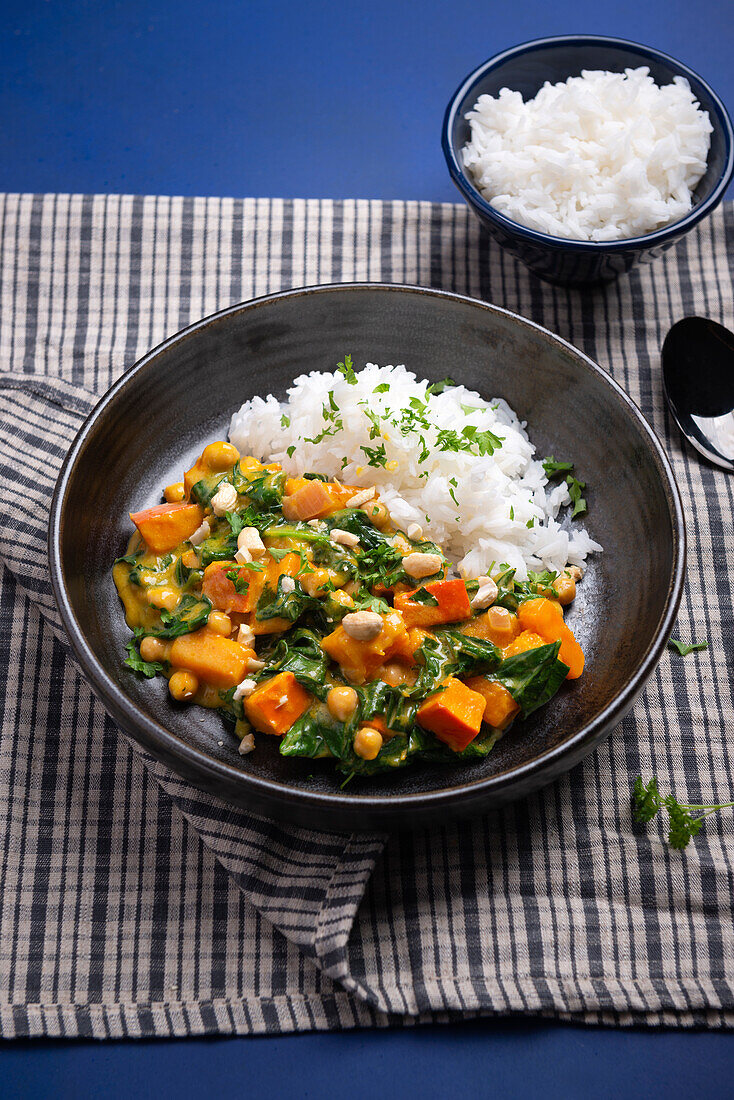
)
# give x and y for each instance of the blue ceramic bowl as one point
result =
(525, 69)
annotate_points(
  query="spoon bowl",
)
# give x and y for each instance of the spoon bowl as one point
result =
(698, 381)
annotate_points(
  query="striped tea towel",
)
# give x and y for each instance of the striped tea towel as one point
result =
(132, 904)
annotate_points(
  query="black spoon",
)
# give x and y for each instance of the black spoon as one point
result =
(698, 380)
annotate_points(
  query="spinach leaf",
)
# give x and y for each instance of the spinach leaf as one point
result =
(187, 578)
(129, 559)
(295, 531)
(533, 677)
(438, 658)
(481, 746)
(285, 605)
(389, 702)
(506, 595)
(204, 490)
(309, 737)
(299, 652)
(221, 544)
(191, 613)
(267, 491)
(472, 655)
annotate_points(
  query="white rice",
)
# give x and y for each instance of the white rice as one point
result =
(477, 507)
(599, 157)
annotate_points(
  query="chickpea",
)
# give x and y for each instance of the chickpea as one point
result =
(220, 623)
(565, 588)
(395, 673)
(367, 742)
(342, 597)
(175, 492)
(183, 685)
(153, 649)
(313, 583)
(219, 456)
(377, 514)
(164, 598)
(342, 702)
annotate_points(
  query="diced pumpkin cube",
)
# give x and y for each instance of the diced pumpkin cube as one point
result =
(311, 501)
(276, 704)
(499, 706)
(165, 527)
(211, 657)
(359, 660)
(526, 640)
(545, 617)
(452, 604)
(221, 591)
(306, 498)
(453, 714)
(276, 625)
(497, 625)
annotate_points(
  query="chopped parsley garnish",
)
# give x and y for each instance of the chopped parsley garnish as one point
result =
(241, 584)
(291, 450)
(684, 648)
(684, 818)
(439, 387)
(376, 456)
(137, 664)
(575, 488)
(382, 388)
(553, 468)
(347, 370)
(337, 427)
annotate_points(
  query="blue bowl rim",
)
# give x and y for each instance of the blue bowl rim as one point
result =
(649, 240)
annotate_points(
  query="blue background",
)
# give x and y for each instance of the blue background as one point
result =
(312, 100)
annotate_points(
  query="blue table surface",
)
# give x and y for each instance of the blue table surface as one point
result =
(337, 100)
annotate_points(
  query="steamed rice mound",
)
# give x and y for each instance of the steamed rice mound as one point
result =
(600, 157)
(433, 458)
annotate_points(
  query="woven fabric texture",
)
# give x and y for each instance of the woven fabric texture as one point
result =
(132, 904)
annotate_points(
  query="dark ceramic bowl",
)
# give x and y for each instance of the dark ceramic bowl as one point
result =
(153, 422)
(525, 69)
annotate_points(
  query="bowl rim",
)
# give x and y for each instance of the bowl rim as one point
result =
(383, 807)
(659, 236)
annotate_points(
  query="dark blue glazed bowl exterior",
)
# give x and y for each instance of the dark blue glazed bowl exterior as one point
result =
(525, 69)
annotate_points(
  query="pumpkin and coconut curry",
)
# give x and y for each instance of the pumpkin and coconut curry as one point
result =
(294, 607)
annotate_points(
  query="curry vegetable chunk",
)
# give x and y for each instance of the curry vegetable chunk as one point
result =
(297, 609)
